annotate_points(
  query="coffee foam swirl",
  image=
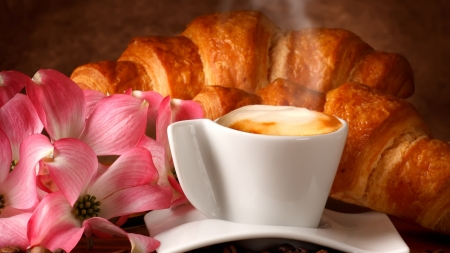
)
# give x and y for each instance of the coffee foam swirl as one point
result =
(280, 120)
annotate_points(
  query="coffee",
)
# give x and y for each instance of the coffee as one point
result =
(280, 120)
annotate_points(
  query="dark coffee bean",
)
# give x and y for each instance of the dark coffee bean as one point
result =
(230, 248)
(286, 248)
(302, 250)
(59, 251)
(39, 249)
(10, 249)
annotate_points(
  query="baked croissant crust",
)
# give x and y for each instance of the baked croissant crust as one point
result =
(388, 72)
(112, 77)
(172, 63)
(234, 48)
(322, 59)
(390, 161)
(247, 51)
(217, 101)
(318, 58)
(286, 93)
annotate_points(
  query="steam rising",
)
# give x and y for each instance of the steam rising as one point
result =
(287, 14)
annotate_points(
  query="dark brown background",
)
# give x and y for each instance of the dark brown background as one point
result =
(63, 35)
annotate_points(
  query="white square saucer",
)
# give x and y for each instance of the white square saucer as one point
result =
(184, 229)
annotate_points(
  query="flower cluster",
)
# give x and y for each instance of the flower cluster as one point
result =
(73, 160)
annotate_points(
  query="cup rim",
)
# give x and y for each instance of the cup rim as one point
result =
(341, 130)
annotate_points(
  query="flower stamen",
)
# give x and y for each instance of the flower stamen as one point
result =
(2, 203)
(13, 165)
(86, 207)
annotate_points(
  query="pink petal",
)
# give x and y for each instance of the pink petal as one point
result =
(122, 220)
(53, 225)
(46, 184)
(158, 157)
(142, 243)
(59, 102)
(92, 98)
(14, 230)
(89, 231)
(173, 110)
(136, 199)
(115, 125)
(20, 185)
(178, 201)
(5, 156)
(178, 197)
(19, 120)
(163, 120)
(139, 243)
(135, 167)
(165, 175)
(174, 183)
(154, 100)
(128, 91)
(19, 189)
(102, 168)
(185, 110)
(74, 163)
(41, 194)
(11, 83)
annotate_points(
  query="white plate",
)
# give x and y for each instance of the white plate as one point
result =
(185, 229)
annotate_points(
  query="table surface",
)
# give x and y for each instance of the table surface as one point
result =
(418, 239)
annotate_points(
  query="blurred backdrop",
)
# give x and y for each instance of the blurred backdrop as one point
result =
(65, 34)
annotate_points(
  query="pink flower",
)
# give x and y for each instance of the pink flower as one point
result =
(18, 119)
(11, 83)
(169, 111)
(110, 125)
(128, 186)
(154, 100)
(69, 162)
(17, 198)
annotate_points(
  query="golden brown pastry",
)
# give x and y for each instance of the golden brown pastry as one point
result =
(217, 101)
(322, 59)
(390, 162)
(111, 76)
(234, 48)
(284, 92)
(318, 58)
(245, 50)
(172, 63)
(388, 72)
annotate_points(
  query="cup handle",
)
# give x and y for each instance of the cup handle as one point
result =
(191, 154)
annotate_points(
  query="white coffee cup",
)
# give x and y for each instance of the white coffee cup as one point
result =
(252, 178)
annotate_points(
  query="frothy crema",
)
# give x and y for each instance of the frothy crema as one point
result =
(280, 120)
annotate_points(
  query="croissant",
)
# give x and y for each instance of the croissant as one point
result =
(112, 76)
(390, 161)
(247, 51)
